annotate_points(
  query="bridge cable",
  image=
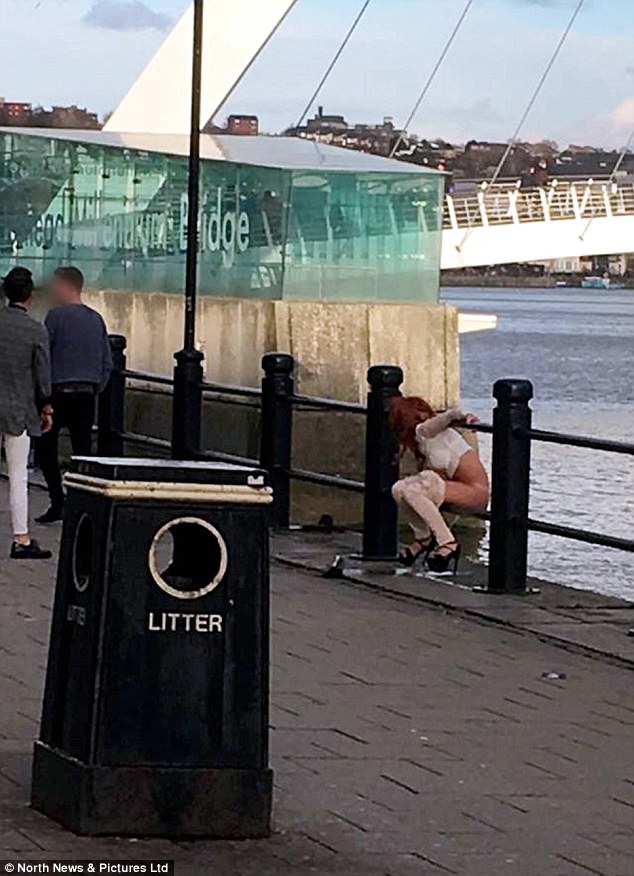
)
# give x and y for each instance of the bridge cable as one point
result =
(531, 103)
(432, 75)
(538, 90)
(612, 179)
(334, 61)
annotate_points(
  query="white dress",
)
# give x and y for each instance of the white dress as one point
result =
(440, 446)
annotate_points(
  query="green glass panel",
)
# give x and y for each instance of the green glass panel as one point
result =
(121, 216)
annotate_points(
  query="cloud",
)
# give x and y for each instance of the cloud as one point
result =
(619, 122)
(125, 15)
(480, 110)
(623, 114)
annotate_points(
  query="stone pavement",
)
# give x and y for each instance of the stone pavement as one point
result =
(577, 619)
(407, 739)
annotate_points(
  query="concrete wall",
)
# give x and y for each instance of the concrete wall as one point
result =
(334, 344)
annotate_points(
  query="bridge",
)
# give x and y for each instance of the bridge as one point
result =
(498, 223)
(504, 224)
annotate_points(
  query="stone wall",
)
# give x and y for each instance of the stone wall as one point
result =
(334, 344)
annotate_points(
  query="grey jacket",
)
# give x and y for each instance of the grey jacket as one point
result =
(25, 371)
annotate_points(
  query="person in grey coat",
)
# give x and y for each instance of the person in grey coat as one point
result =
(25, 410)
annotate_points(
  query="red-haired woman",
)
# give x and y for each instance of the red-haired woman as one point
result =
(451, 473)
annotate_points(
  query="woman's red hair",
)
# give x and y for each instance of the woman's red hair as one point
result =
(405, 415)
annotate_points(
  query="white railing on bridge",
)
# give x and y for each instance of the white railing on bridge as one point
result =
(507, 203)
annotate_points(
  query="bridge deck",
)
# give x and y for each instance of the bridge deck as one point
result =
(504, 224)
(507, 204)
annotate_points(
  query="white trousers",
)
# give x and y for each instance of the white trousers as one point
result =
(420, 497)
(17, 449)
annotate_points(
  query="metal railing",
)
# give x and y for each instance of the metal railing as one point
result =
(508, 203)
(278, 400)
(511, 430)
(510, 520)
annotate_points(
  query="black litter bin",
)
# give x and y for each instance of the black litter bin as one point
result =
(155, 716)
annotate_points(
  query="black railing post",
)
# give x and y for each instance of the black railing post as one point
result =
(111, 405)
(380, 514)
(510, 468)
(276, 436)
(187, 404)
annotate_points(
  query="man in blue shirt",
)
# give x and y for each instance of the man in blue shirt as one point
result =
(81, 364)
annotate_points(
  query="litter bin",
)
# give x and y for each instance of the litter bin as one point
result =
(155, 718)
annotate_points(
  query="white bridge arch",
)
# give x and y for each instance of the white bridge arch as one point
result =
(235, 32)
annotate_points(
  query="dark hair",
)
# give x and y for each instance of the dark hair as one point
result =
(71, 275)
(18, 285)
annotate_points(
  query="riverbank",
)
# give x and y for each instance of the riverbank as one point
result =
(503, 281)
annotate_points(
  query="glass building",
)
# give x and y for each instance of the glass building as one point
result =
(280, 218)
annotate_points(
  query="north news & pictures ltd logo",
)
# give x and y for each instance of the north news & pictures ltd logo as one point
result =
(94, 868)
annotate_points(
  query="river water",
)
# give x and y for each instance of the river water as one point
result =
(577, 347)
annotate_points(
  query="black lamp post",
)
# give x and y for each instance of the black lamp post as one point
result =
(188, 372)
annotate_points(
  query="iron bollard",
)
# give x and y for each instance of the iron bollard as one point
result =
(111, 405)
(511, 466)
(187, 404)
(276, 436)
(380, 514)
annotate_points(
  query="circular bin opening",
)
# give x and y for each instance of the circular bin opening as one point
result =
(188, 558)
(82, 553)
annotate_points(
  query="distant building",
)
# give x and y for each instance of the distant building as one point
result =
(65, 117)
(243, 126)
(237, 124)
(14, 113)
(480, 160)
(430, 153)
(585, 161)
(476, 160)
(614, 265)
(568, 265)
(334, 130)
(326, 124)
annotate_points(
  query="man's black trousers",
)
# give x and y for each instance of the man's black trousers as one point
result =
(76, 412)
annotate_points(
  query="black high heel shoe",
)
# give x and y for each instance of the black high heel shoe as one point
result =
(437, 562)
(408, 557)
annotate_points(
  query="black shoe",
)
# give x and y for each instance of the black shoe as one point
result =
(30, 551)
(408, 557)
(54, 514)
(437, 562)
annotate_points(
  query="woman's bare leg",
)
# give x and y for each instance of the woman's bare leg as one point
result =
(471, 497)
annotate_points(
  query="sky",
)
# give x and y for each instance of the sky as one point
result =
(89, 52)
